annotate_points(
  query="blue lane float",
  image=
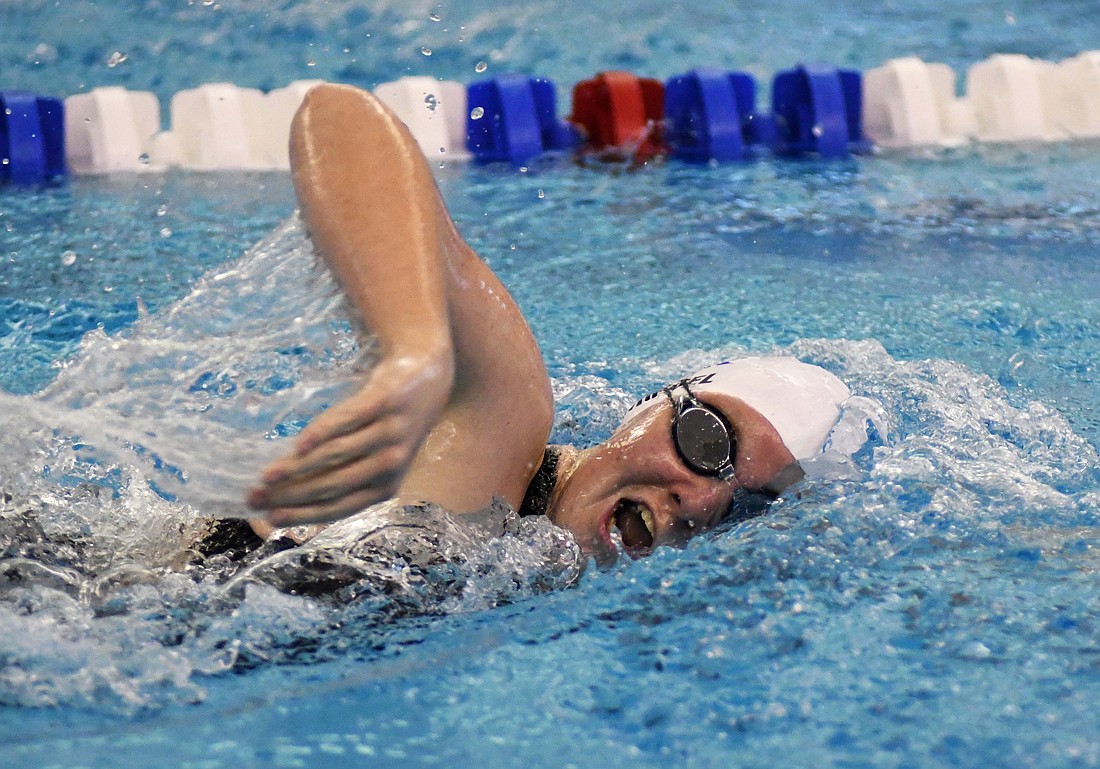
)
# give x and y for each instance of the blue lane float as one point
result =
(818, 109)
(710, 115)
(513, 119)
(32, 138)
(703, 115)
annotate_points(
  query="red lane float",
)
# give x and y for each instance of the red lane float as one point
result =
(622, 113)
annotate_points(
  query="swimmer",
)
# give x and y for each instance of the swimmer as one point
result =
(458, 408)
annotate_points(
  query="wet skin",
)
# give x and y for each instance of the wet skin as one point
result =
(637, 483)
(459, 406)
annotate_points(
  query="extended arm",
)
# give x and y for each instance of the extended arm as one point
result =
(458, 408)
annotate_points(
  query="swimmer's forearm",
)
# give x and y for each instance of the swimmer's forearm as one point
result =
(369, 202)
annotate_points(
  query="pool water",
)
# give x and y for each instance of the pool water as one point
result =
(932, 603)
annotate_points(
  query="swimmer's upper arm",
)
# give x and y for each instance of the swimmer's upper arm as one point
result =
(369, 203)
(495, 428)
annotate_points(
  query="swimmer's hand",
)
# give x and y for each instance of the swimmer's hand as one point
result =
(356, 453)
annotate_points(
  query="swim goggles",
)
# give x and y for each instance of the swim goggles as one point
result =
(702, 435)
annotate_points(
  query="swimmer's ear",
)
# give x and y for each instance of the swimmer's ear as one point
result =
(750, 503)
(784, 479)
(746, 505)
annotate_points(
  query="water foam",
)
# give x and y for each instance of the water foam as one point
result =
(198, 395)
(109, 473)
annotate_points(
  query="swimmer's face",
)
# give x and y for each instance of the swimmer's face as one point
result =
(637, 482)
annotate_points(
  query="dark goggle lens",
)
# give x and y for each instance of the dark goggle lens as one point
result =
(702, 439)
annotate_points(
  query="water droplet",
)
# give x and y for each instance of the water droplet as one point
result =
(431, 102)
(115, 59)
(477, 113)
(162, 210)
(68, 258)
(481, 66)
(541, 194)
(5, 161)
(143, 158)
(426, 51)
(165, 232)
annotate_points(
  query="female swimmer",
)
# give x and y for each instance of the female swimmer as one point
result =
(459, 407)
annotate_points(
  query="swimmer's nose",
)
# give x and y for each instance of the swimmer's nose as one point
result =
(701, 501)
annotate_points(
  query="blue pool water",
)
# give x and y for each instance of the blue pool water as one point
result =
(934, 604)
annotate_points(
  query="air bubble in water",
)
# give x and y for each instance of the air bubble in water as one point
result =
(165, 232)
(818, 130)
(162, 210)
(426, 51)
(143, 158)
(480, 67)
(431, 102)
(435, 15)
(68, 258)
(477, 113)
(541, 194)
(115, 59)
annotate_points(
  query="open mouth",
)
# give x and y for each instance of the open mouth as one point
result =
(635, 524)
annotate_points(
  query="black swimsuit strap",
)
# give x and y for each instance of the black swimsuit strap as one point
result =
(538, 491)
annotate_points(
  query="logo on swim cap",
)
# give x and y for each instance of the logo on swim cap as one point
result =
(690, 381)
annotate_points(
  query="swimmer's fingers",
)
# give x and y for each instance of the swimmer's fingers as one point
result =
(357, 452)
(414, 386)
(325, 512)
(378, 473)
(345, 417)
(336, 452)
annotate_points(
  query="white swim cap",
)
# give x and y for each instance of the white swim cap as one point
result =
(802, 401)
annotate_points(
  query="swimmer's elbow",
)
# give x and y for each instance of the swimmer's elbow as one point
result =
(319, 109)
(347, 133)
